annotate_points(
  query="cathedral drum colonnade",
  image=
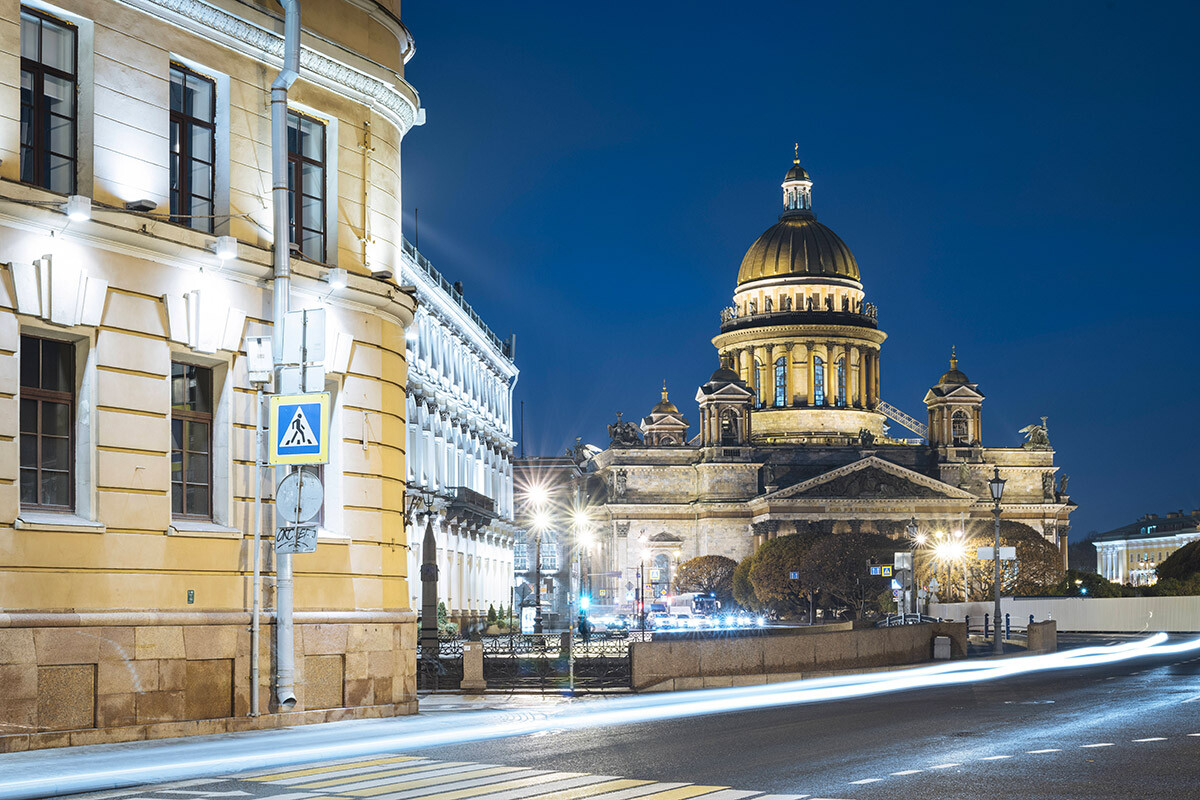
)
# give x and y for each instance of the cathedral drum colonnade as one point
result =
(792, 434)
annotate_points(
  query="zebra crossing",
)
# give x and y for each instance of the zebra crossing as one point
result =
(408, 777)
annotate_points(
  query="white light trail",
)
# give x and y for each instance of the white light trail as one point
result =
(202, 759)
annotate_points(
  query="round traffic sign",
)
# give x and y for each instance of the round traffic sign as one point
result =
(299, 496)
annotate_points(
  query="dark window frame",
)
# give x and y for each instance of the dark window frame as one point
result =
(781, 382)
(42, 396)
(183, 192)
(189, 416)
(296, 162)
(39, 150)
(819, 395)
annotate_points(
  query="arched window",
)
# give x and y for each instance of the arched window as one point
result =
(841, 382)
(758, 383)
(660, 576)
(780, 382)
(818, 381)
(959, 428)
(729, 427)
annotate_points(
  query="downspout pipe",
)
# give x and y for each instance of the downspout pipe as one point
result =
(285, 646)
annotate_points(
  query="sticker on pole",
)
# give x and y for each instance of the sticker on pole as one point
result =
(299, 429)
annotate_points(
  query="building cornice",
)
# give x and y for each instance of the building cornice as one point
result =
(400, 102)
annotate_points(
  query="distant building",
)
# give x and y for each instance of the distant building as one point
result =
(460, 447)
(547, 490)
(1131, 554)
(793, 434)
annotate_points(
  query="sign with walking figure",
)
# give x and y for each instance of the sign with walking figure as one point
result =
(298, 431)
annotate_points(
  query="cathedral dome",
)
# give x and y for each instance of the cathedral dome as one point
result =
(954, 374)
(796, 173)
(798, 246)
(724, 375)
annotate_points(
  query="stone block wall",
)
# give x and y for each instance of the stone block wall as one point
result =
(705, 662)
(120, 677)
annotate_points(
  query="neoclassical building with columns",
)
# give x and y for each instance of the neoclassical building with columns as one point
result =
(460, 446)
(794, 434)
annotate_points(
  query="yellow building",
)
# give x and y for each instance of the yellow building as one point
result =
(135, 262)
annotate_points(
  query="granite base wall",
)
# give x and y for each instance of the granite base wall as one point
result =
(110, 677)
(695, 663)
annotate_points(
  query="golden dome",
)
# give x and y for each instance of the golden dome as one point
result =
(664, 406)
(954, 374)
(796, 173)
(798, 245)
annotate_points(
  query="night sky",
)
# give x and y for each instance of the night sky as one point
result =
(1020, 180)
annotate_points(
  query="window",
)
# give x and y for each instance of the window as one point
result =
(48, 100)
(780, 382)
(191, 440)
(841, 382)
(47, 423)
(306, 184)
(758, 383)
(958, 427)
(549, 552)
(818, 381)
(520, 557)
(193, 148)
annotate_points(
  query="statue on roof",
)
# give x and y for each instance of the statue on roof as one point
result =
(624, 434)
(1037, 437)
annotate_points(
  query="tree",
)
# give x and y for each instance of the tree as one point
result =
(491, 617)
(771, 570)
(1074, 582)
(837, 565)
(707, 574)
(741, 587)
(1182, 564)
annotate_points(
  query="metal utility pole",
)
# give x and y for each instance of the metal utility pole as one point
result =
(537, 581)
(996, 484)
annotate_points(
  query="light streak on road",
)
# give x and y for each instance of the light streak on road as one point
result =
(174, 761)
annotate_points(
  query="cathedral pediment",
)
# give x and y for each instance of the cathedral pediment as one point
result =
(872, 478)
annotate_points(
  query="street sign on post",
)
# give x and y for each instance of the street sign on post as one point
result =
(1006, 553)
(298, 429)
(795, 576)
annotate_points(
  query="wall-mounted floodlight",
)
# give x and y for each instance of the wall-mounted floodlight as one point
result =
(144, 204)
(336, 278)
(78, 208)
(226, 247)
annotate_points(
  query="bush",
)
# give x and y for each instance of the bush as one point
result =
(491, 617)
(770, 573)
(1073, 583)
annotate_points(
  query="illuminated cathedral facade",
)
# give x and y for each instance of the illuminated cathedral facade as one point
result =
(793, 433)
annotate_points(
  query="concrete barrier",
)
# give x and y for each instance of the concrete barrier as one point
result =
(664, 665)
(1043, 637)
(1088, 614)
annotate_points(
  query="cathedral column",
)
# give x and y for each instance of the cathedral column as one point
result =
(868, 380)
(768, 378)
(848, 372)
(876, 378)
(830, 388)
(811, 365)
(788, 377)
(800, 366)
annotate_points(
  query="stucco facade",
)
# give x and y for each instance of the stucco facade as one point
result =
(125, 526)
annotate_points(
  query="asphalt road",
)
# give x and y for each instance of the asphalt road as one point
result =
(1125, 730)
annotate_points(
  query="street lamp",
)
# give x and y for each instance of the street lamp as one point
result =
(996, 485)
(541, 521)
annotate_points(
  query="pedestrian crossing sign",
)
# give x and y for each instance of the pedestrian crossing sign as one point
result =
(298, 430)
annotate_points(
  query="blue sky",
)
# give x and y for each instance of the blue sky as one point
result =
(1018, 180)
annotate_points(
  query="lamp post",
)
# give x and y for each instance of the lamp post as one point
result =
(996, 484)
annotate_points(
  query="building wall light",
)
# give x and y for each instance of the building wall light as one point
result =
(226, 247)
(336, 278)
(78, 208)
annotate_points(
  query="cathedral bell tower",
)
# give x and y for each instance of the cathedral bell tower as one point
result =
(800, 334)
(955, 409)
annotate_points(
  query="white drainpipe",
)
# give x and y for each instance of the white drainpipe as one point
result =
(285, 649)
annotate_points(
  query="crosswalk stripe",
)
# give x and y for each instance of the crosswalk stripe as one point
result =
(589, 790)
(300, 773)
(364, 780)
(637, 792)
(728, 794)
(781, 797)
(585, 783)
(483, 787)
(354, 772)
(472, 775)
(682, 793)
